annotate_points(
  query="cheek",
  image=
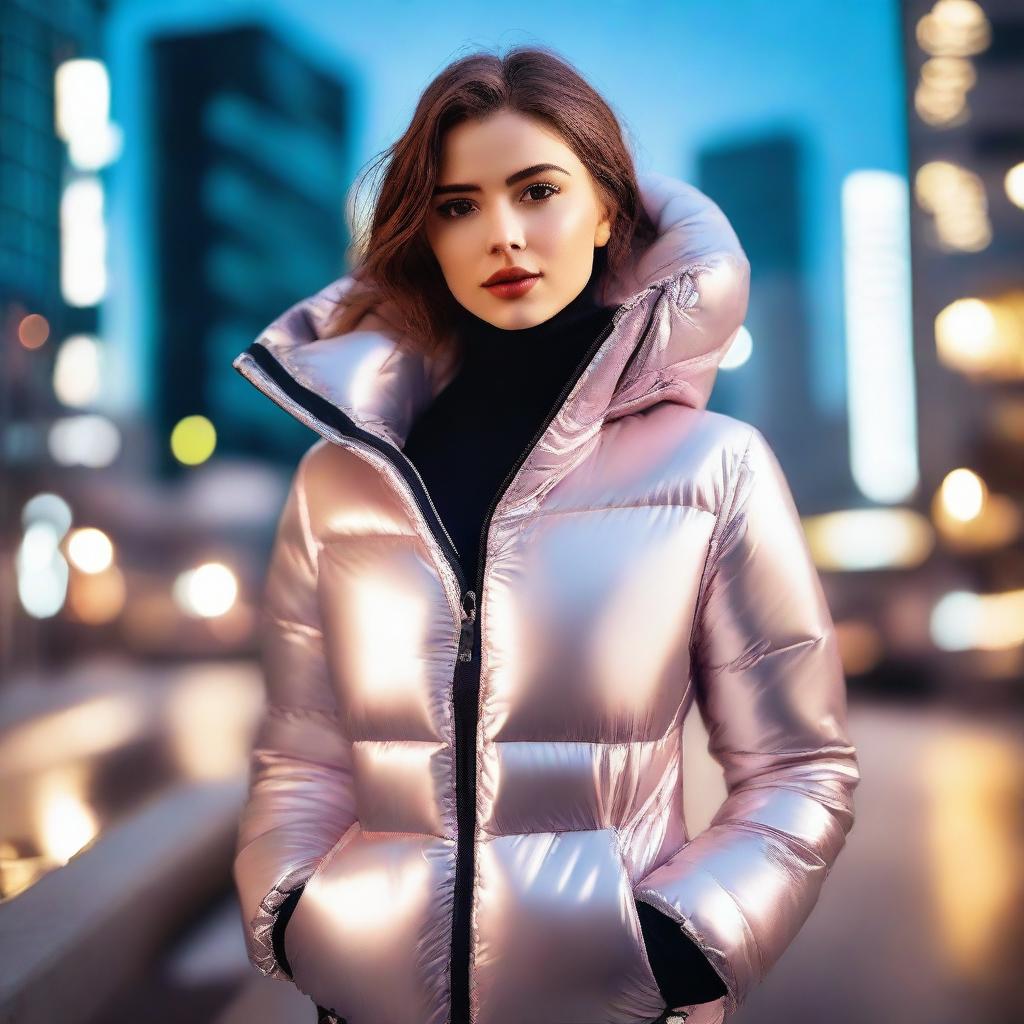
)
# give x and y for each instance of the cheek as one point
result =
(564, 232)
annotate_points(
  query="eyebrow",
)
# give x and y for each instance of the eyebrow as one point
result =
(526, 172)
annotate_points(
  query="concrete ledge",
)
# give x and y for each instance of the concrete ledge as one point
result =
(84, 931)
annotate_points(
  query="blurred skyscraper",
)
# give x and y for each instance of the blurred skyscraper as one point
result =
(965, 80)
(759, 182)
(38, 186)
(34, 39)
(249, 162)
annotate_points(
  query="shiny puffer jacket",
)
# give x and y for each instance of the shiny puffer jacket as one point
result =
(473, 779)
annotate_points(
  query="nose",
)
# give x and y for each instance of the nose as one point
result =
(506, 232)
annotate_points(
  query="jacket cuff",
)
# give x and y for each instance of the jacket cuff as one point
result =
(684, 975)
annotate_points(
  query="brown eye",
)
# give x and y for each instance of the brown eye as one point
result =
(552, 189)
(445, 208)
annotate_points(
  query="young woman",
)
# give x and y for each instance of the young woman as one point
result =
(521, 548)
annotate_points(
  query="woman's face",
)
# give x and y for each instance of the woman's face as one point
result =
(486, 214)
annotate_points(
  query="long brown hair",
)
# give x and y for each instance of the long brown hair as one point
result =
(395, 264)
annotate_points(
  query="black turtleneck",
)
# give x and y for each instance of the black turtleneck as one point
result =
(463, 444)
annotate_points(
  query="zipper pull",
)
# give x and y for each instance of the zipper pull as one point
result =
(468, 620)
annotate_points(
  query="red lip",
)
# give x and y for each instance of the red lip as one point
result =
(509, 274)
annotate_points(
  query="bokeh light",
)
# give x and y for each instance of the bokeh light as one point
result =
(855, 540)
(206, 591)
(42, 570)
(963, 494)
(193, 440)
(85, 440)
(1014, 184)
(47, 507)
(90, 550)
(739, 351)
(97, 598)
(33, 330)
(76, 371)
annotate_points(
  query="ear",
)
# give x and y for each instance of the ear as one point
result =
(604, 229)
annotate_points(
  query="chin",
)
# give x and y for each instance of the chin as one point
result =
(516, 319)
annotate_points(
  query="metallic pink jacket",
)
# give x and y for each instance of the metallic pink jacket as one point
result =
(644, 553)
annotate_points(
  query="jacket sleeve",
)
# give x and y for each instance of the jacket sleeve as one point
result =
(300, 799)
(771, 690)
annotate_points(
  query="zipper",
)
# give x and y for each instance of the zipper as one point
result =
(466, 632)
(334, 424)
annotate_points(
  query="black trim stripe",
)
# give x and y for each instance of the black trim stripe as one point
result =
(344, 424)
